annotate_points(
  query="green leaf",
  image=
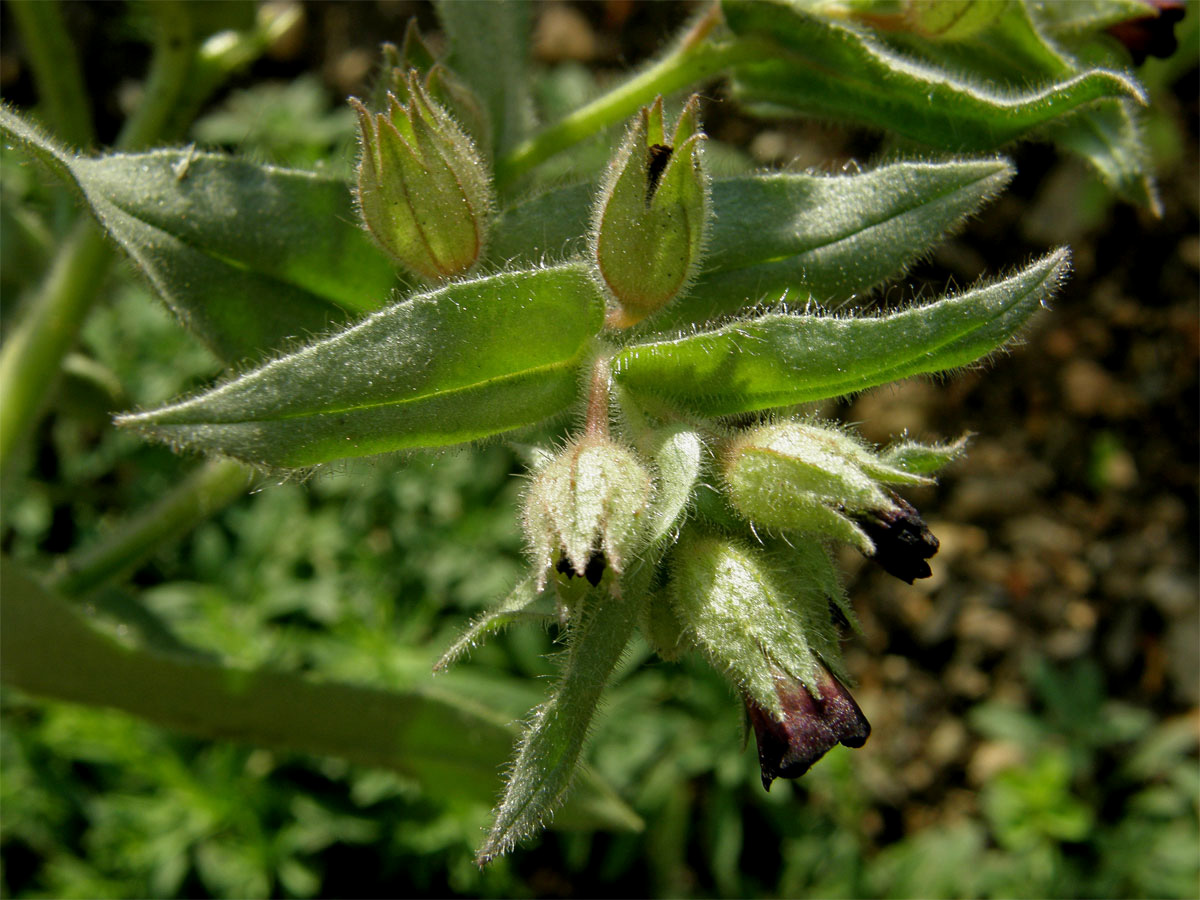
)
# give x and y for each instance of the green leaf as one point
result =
(551, 225)
(549, 751)
(781, 359)
(448, 742)
(923, 459)
(247, 256)
(1015, 50)
(1108, 137)
(476, 28)
(525, 603)
(1087, 15)
(465, 361)
(831, 236)
(678, 456)
(833, 70)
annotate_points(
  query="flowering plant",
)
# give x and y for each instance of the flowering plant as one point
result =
(654, 336)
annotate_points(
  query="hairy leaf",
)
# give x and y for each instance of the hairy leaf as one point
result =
(247, 256)
(834, 70)
(832, 236)
(678, 455)
(466, 361)
(525, 603)
(1017, 50)
(549, 751)
(781, 359)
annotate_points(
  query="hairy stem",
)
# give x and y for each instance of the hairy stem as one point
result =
(600, 386)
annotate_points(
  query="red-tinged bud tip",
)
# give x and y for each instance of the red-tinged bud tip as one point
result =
(811, 727)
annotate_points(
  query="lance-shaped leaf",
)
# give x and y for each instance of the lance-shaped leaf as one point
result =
(548, 753)
(780, 359)
(442, 737)
(247, 256)
(1015, 50)
(466, 361)
(830, 69)
(1107, 136)
(833, 236)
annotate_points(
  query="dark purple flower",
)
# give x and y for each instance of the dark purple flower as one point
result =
(1152, 34)
(902, 539)
(810, 728)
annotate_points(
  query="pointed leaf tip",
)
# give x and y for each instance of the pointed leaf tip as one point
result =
(782, 359)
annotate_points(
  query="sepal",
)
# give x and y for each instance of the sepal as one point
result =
(423, 190)
(651, 215)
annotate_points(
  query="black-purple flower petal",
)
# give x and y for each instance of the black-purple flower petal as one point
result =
(811, 726)
(903, 542)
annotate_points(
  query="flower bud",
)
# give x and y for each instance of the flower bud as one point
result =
(439, 81)
(804, 477)
(588, 504)
(650, 219)
(751, 613)
(423, 190)
(814, 719)
(903, 542)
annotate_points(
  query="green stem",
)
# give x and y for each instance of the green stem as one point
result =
(174, 53)
(209, 488)
(56, 69)
(222, 55)
(695, 58)
(32, 354)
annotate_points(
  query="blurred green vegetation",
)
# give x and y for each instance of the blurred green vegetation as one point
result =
(364, 572)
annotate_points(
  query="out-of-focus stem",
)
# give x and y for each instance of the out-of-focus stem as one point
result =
(695, 58)
(212, 486)
(33, 351)
(56, 70)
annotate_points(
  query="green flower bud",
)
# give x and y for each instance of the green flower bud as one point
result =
(587, 501)
(651, 215)
(768, 618)
(439, 81)
(755, 613)
(804, 477)
(423, 190)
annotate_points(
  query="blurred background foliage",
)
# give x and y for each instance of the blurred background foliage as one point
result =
(1034, 704)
